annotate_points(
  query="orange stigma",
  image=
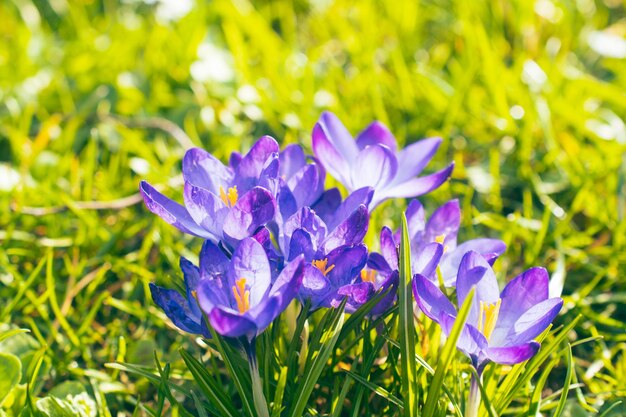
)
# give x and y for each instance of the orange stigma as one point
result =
(321, 265)
(488, 317)
(368, 275)
(242, 296)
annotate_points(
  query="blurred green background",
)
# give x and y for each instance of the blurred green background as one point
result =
(529, 96)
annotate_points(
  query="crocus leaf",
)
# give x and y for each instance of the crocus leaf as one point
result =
(446, 356)
(322, 345)
(407, 326)
(566, 384)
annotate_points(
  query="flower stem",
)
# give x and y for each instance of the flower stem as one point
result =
(473, 400)
(260, 403)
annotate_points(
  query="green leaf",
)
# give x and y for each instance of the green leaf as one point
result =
(11, 371)
(568, 380)
(408, 368)
(376, 389)
(322, 345)
(211, 389)
(446, 356)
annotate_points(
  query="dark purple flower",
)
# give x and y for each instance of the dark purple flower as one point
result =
(222, 202)
(182, 310)
(334, 255)
(239, 295)
(442, 227)
(500, 326)
(372, 160)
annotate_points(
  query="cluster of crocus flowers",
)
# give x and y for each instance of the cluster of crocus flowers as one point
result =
(273, 234)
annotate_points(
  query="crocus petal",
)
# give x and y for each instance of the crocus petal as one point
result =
(413, 159)
(512, 354)
(253, 162)
(254, 209)
(358, 294)
(349, 232)
(249, 261)
(415, 221)
(329, 156)
(327, 205)
(191, 274)
(445, 221)
(286, 201)
(230, 324)
(529, 325)
(361, 197)
(307, 220)
(524, 291)
(490, 249)
(202, 169)
(315, 287)
(214, 292)
(348, 262)
(303, 185)
(234, 160)
(176, 308)
(471, 341)
(292, 159)
(377, 262)
(388, 247)
(206, 208)
(415, 186)
(475, 271)
(172, 212)
(281, 294)
(375, 167)
(426, 260)
(213, 261)
(268, 178)
(431, 300)
(301, 243)
(374, 134)
(338, 135)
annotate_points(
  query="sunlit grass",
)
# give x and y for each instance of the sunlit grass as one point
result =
(529, 110)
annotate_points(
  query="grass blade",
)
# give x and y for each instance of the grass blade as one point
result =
(447, 354)
(407, 326)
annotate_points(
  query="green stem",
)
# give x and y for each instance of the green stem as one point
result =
(473, 400)
(260, 403)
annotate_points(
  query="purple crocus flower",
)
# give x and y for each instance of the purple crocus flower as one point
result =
(442, 227)
(334, 255)
(501, 326)
(372, 160)
(182, 310)
(238, 294)
(222, 202)
(301, 181)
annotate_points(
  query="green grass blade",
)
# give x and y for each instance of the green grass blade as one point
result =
(446, 356)
(568, 380)
(322, 347)
(407, 326)
(208, 386)
(376, 389)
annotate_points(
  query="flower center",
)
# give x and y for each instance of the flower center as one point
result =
(488, 317)
(440, 239)
(242, 296)
(368, 275)
(229, 197)
(321, 265)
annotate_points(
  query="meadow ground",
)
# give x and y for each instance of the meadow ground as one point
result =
(96, 95)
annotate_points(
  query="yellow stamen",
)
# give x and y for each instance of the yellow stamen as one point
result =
(488, 316)
(368, 275)
(229, 197)
(321, 265)
(242, 296)
(440, 239)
